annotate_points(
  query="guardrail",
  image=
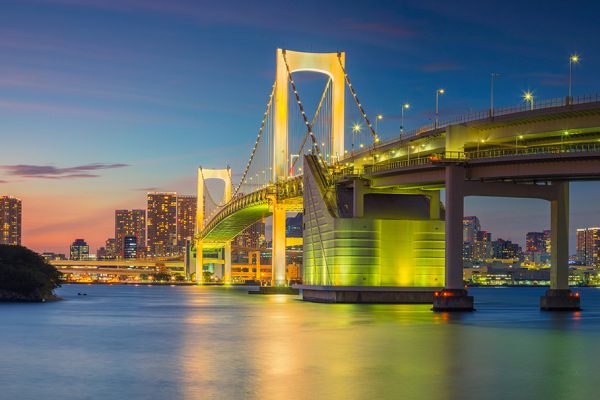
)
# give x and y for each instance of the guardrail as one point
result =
(496, 112)
(454, 156)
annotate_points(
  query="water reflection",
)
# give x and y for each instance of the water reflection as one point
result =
(204, 343)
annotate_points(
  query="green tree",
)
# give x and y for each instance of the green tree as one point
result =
(26, 273)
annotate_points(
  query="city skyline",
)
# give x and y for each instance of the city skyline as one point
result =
(148, 73)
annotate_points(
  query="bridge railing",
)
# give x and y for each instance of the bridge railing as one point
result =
(497, 112)
(457, 156)
(554, 149)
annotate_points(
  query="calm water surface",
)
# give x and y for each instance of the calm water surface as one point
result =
(128, 342)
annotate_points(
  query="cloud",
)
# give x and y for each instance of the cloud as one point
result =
(148, 189)
(52, 172)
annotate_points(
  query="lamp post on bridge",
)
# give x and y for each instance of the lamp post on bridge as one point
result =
(528, 98)
(493, 77)
(574, 59)
(405, 106)
(517, 142)
(379, 117)
(437, 114)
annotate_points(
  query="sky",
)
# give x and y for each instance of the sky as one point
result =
(104, 100)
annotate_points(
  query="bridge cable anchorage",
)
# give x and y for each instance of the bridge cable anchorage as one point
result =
(312, 122)
(321, 241)
(362, 111)
(304, 117)
(260, 132)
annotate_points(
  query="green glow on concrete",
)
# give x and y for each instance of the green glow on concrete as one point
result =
(376, 252)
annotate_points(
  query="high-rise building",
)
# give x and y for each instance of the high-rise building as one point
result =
(505, 249)
(10, 220)
(80, 250)
(130, 247)
(535, 242)
(548, 241)
(162, 224)
(482, 247)
(470, 228)
(293, 226)
(129, 223)
(186, 219)
(253, 237)
(588, 245)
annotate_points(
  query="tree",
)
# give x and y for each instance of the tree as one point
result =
(26, 274)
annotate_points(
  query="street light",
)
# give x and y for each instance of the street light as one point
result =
(528, 97)
(405, 106)
(437, 114)
(356, 128)
(517, 141)
(379, 117)
(494, 76)
(562, 139)
(574, 59)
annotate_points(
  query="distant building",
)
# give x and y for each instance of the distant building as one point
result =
(588, 245)
(111, 249)
(186, 219)
(252, 237)
(162, 224)
(10, 220)
(130, 247)
(536, 245)
(48, 256)
(293, 226)
(548, 241)
(505, 249)
(471, 227)
(482, 247)
(80, 250)
(129, 223)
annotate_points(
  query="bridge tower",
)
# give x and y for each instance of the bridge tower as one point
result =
(330, 64)
(225, 176)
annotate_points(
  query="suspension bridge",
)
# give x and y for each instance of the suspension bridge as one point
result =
(375, 229)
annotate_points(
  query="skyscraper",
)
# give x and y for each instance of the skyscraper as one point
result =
(588, 245)
(162, 224)
(471, 227)
(129, 223)
(186, 219)
(535, 242)
(130, 247)
(482, 247)
(80, 250)
(10, 220)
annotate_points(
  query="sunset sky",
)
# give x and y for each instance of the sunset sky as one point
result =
(104, 100)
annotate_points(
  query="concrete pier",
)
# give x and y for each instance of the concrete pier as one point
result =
(560, 300)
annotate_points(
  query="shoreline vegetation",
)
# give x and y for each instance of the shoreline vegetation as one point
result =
(26, 277)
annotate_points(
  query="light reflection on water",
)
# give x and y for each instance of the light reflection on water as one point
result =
(128, 342)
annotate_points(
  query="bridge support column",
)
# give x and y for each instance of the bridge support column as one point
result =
(559, 297)
(278, 244)
(434, 204)
(199, 263)
(227, 265)
(454, 297)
